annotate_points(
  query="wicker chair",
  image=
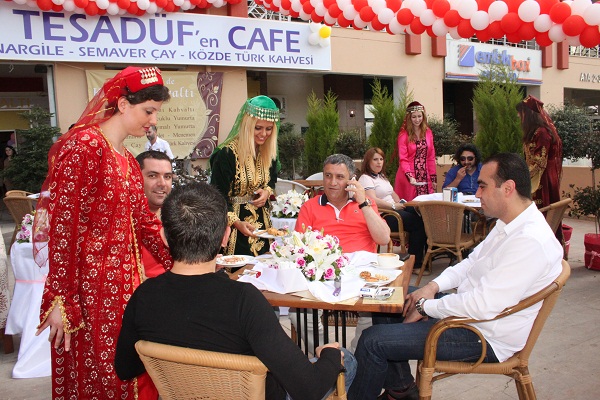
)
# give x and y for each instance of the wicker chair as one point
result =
(401, 235)
(555, 213)
(283, 186)
(444, 226)
(20, 193)
(181, 373)
(18, 206)
(515, 367)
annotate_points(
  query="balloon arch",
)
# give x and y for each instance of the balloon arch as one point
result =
(547, 21)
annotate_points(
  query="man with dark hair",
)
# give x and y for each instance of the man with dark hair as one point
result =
(193, 306)
(158, 177)
(518, 258)
(156, 143)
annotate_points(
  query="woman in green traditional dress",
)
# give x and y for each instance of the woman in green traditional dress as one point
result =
(244, 169)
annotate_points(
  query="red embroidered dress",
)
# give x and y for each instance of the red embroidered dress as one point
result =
(99, 219)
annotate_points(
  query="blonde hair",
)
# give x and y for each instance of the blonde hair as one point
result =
(410, 128)
(246, 146)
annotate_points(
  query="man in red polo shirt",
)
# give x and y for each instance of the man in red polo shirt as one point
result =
(344, 210)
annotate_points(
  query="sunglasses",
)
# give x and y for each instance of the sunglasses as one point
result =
(470, 158)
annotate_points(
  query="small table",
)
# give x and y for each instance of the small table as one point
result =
(289, 300)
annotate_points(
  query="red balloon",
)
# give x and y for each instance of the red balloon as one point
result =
(286, 5)
(170, 7)
(259, 2)
(527, 31)
(590, 37)
(511, 22)
(495, 29)
(84, 3)
(294, 14)
(45, 5)
(343, 22)
(440, 8)
(393, 5)
(159, 3)
(307, 7)
(484, 5)
(574, 25)
(377, 25)
(483, 36)
(359, 4)
(56, 7)
(513, 37)
(513, 5)
(546, 5)
(367, 14)
(91, 9)
(559, 12)
(204, 3)
(452, 18)
(334, 10)
(429, 31)
(133, 8)
(328, 3)
(429, 3)
(417, 27)
(464, 29)
(405, 16)
(316, 17)
(542, 39)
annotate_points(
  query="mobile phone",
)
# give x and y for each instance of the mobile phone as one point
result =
(350, 186)
(404, 256)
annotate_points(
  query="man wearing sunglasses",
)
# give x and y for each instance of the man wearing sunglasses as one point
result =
(464, 175)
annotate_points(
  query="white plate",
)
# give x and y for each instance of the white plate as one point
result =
(398, 265)
(266, 235)
(380, 282)
(234, 261)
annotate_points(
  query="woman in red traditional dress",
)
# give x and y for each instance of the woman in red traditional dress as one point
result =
(91, 219)
(543, 152)
(417, 170)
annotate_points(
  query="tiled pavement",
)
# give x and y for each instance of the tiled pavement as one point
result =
(563, 364)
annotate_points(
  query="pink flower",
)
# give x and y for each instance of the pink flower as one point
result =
(301, 262)
(329, 273)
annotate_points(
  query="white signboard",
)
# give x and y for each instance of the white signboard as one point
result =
(467, 60)
(169, 38)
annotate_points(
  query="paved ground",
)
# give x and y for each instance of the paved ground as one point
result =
(563, 364)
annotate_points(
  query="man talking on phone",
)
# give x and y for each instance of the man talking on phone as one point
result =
(344, 210)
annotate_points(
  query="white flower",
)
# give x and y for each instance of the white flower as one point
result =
(287, 205)
(318, 256)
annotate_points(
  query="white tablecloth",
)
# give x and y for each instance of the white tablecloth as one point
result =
(24, 314)
(466, 199)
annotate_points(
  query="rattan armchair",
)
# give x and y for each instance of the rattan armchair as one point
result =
(444, 225)
(516, 366)
(555, 213)
(21, 193)
(18, 206)
(400, 235)
(181, 373)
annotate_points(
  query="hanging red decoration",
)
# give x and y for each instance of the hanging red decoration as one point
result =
(510, 22)
(452, 18)
(464, 29)
(590, 36)
(440, 8)
(405, 16)
(573, 25)
(417, 27)
(559, 12)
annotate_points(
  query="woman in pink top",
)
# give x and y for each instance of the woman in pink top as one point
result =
(417, 170)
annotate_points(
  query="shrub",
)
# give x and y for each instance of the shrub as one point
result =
(291, 146)
(323, 130)
(351, 143)
(446, 138)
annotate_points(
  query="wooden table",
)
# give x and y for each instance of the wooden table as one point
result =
(338, 309)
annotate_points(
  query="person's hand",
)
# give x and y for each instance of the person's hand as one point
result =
(434, 185)
(399, 206)
(413, 316)
(358, 190)
(412, 180)
(428, 292)
(261, 200)
(334, 345)
(245, 228)
(57, 332)
(461, 173)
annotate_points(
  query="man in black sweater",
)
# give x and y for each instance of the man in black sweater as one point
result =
(193, 306)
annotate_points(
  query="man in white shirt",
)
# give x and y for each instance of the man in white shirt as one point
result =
(156, 143)
(518, 258)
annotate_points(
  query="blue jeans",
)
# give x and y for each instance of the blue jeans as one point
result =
(349, 363)
(384, 350)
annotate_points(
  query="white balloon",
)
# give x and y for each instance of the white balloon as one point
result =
(314, 3)
(296, 5)
(144, 4)
(467, 8)
(325, 42)
(349, 12)
(417, 7)
(579, 7)
(277, 3)
(69, 5)
(153, 8)
(385, 16)
(497, 10)
(58, 2)
(377, 5)
(343, 3)
(218, 3)
(314, 27)
(178, 3)
(543, 23)
(359, 23)
(439, 28)
(556, 33)
(573, 41)
(428, 17)
(304, 16)
(313, 38)
(529, 10)
(186, 6)
(454, 4)
(329, 20)
(480, 20)
(22, 2)
(454, 33)
(592, 15)
(320, 9)
(103, 4)
(395, 27)
(406, 4)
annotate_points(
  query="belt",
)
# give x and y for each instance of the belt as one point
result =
(241, 199)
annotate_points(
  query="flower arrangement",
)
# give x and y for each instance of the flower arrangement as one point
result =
(24, 235)
(287, 205)
(318, 256)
